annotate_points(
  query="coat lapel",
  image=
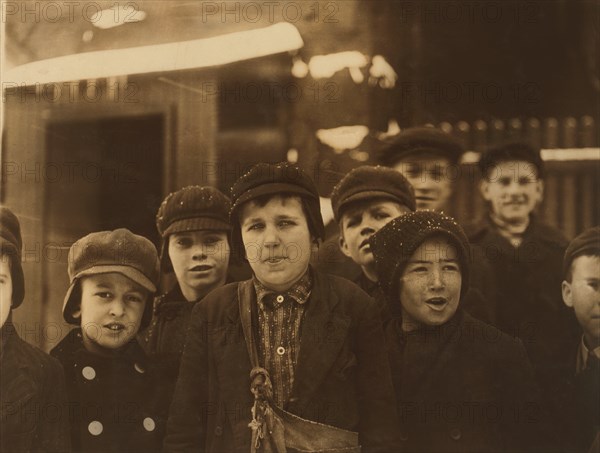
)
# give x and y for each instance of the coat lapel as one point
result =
(321, 339)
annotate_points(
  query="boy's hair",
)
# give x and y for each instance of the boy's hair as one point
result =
(586, 244)
(513, 151)
(11, 245)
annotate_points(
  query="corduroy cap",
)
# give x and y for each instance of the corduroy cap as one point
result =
(118, 251)
(367, 183)
(513, 151)
(587, 243)
(193, 208)
(395, 243)
(420, 140)
(11, 246)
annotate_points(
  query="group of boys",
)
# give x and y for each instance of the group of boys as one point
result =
(466, 330)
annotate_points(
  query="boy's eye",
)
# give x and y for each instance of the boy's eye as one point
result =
(504, 181)
(256, 226)
(451, 267)
(436, 173)
(135, 298)
(380, 215)
(211, 240)
(352, 221)
(286, 223)
(183, 242)
(419, 269)
(525, 180)
(103, 294)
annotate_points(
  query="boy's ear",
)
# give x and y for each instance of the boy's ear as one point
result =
(484, 186)
(567, 295)
(76, 313)
(344, 246)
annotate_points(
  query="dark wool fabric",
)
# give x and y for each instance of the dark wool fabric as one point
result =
(587, 243)
(513, 151)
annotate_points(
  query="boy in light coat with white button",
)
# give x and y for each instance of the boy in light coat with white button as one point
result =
(111, 384)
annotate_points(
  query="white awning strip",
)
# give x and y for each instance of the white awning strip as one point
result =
(558, 154)
(198, 53)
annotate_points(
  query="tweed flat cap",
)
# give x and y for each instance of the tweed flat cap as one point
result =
(118, 251)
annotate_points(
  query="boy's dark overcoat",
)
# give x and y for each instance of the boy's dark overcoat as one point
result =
(528, 303)
(464, 386)
(113, 399)
(342, 374)
(32, 392)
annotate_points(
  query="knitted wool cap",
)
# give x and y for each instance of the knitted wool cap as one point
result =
(367, 183)
(420, 140)
(11, 245)
(587, 243)
(105, 252)
(191, 208)
(394, 244)
(512, 151)
(275, 179)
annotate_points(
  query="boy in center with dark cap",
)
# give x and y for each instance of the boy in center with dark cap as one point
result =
(363, 201)
(112, 386)
(317, 354)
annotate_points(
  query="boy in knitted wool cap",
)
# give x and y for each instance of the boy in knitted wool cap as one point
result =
(448, 368)
(32, 384)
(319, 339)
(194, 225)
(111, 383)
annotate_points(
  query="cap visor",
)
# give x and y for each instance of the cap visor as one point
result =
(272, 189)
(197, 224)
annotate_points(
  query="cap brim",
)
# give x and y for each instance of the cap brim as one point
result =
(272, 189)
(127, 271)
(196, 224)
(366, 195)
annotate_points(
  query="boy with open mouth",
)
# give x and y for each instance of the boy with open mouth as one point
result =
(450, 370)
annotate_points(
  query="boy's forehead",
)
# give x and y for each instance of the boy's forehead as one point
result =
(586, 266)
(435, 248)
(514, 167)
(361, 206)
(253, 207)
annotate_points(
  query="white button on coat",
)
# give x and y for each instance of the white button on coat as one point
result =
(139, 368)
(280, 298)
(88, 372)
(95, 428)
(149, 424)
(280, 350)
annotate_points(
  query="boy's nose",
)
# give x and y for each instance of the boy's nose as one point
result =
(271, 237)
(117, 307)
(199, 252)
(435, 280)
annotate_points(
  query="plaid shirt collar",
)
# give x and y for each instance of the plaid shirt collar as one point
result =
(299, 291)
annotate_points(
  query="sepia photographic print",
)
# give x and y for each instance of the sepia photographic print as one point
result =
(300, 226)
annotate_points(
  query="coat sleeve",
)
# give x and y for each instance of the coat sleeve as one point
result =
(378, 419)
(186, 426)
(53, 432)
